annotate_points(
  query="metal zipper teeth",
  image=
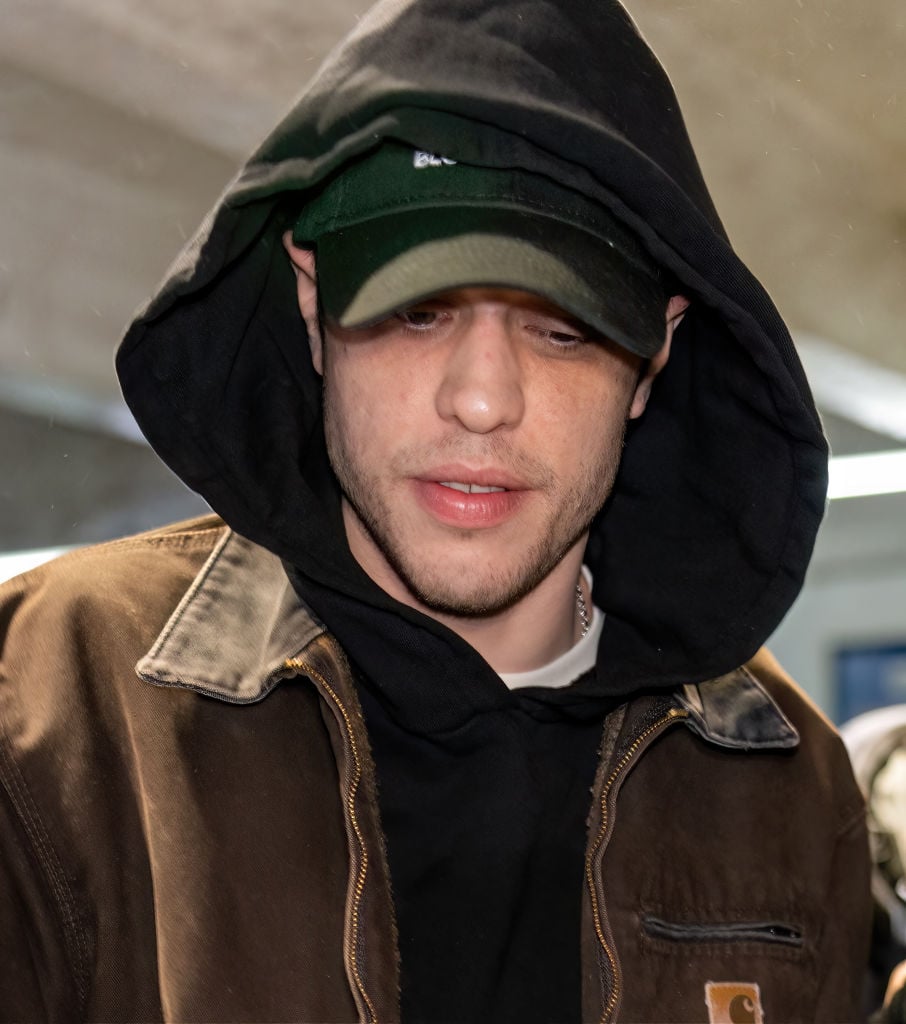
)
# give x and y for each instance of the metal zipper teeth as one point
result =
(675, 714)
(353, 778)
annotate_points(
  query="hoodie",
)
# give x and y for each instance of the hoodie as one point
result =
(703, 544)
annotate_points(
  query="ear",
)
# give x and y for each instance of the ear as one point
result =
(303, 263)
(676, 307)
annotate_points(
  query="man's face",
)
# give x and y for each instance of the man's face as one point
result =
(474, 437)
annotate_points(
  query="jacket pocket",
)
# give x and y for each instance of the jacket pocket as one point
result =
(776, 933)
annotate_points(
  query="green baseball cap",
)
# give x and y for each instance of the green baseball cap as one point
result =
(401, 225)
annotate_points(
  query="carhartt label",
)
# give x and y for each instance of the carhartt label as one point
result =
(733, 1002)
(423, 159)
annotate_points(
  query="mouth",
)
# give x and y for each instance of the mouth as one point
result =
(469, 497)
(470, 479)
(471, 488)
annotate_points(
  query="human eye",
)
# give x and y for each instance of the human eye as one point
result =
(560, 334)
(418, 318)
(563, 339)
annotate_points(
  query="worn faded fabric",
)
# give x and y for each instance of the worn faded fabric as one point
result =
(201, 840)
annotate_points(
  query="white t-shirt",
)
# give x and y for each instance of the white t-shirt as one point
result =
(572, 663)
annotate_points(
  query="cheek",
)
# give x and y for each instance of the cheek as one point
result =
(584, 422)
(383, 374)
(595, 401)
(347, 411)
(368, 402)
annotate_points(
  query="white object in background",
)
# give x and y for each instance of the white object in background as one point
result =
(858, 389)
(21, 561)
(856, 476)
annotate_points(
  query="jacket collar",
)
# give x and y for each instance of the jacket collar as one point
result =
(735, 710)
(240, 622)
(234, 630)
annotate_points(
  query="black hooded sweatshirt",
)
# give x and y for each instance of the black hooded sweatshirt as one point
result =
(696, 557)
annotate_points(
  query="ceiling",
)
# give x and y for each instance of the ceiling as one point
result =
(121, 121)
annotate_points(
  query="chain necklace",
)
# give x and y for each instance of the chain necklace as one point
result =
(583, 612)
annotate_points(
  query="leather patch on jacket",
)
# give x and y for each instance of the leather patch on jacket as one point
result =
(733, 1002)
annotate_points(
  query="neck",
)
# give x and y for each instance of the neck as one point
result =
(537, 629)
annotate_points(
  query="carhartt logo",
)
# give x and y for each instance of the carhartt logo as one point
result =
(733, 1002)
(423, 159)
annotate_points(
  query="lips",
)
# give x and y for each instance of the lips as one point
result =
(471, 499)
(470, 488)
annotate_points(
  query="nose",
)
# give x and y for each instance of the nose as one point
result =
(482, 385)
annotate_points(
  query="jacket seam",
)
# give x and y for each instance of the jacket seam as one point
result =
(187, 539)
(44, 853)
(853, 821)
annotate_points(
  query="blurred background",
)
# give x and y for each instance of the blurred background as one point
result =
(120, 121)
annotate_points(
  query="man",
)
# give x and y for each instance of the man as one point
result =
(381, 747)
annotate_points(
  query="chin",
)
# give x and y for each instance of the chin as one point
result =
(464, 605)
(480, 597)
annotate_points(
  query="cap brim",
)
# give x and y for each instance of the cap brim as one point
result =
(370, 270)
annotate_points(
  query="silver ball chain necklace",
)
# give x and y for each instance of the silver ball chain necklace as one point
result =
(582, 609)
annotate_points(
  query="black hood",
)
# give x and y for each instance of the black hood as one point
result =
(704, 543)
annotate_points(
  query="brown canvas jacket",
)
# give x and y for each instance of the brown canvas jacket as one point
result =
(199, 839)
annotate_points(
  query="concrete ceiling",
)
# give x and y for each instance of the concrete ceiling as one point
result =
(121, 120)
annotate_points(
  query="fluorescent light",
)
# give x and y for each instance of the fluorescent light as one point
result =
(858, 389)
(59, 402)
(857, 476)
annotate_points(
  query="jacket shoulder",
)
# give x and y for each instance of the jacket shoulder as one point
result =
(122, 588)
(71, 632)
(78, 569)
(819, 740)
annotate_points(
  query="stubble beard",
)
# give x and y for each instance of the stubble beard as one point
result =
(565, 519)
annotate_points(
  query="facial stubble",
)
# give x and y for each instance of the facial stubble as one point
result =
(567, 516)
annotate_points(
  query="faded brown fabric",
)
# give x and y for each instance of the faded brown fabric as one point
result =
(172, 857)
(197, 848)
(709, 842)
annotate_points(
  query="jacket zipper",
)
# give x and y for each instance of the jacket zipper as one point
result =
(359, 859)
(603, 835)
